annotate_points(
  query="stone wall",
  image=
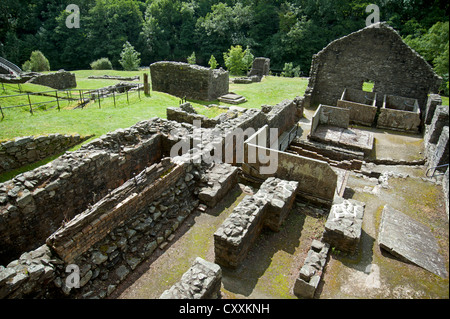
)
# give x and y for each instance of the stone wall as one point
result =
(362, 106)
(375, 53)
(190, 81)
(400, 114)
(34, 204)
(436, 139)
(268, 207)
(58, 80)
(317, 180)
(202, 281)
(329, 115)
(180, 116)
(26, 150)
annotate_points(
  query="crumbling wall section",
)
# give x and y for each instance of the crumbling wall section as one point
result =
(190, 81)
(375, 53)
(29, 149)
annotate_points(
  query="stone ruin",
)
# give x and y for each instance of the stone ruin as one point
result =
(201, 281)
(260, 68)
(189, 81)
(377, 54)
(121, 198)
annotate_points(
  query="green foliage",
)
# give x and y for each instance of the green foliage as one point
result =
(213, 63)
(101, 64)
(289, 71)
(238, 61)
(284, 31)
(433, 45)
(37, 63)
(129, 58)
(192, 59)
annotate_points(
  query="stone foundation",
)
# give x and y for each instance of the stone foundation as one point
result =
(202, 281)
(344, 224)
(268, 207)
(311, 272)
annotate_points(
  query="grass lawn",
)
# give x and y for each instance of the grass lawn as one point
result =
(100, 120)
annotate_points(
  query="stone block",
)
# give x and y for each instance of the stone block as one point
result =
(221, 178)
(311, 272)
(410, 240)
(344, 223)
(202, 281)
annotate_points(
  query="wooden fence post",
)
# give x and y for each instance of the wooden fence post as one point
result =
(146, 86)
(29, 101)
(57, 100)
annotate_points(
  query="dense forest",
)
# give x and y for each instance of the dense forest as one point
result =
(286, 31)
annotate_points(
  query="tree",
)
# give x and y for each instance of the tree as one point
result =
(290, 71)
(212, 62)
(237, 61)
(37, 63)
(192, 59)
(129, 58)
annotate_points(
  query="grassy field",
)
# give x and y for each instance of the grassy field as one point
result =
(98, 120)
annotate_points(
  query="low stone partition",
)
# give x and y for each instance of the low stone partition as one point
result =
(283, 116)
(330, 125)
(434, 100)
(30, 149)
(316, 179)
(220, 179)
(188, 80)
(344, 224)
(202, 281)
(268, 207)
(400, 114)
(181, 116)
(362, 105)
(311, 272)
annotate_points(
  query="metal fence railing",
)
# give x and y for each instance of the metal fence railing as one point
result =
(82, 97)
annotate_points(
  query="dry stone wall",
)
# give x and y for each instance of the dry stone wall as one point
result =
(33, 205)
(190, 81)
(375, 53)
(58, 80)
(29, 149)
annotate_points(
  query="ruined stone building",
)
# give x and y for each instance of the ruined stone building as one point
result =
(121, 198)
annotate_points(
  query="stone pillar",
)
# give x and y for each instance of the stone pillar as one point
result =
(433, 101)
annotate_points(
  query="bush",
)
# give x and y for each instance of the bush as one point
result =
(37, 63)
(129, 58)
(192, 59)
(237, 61)
(101, 64)
(289, 70)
